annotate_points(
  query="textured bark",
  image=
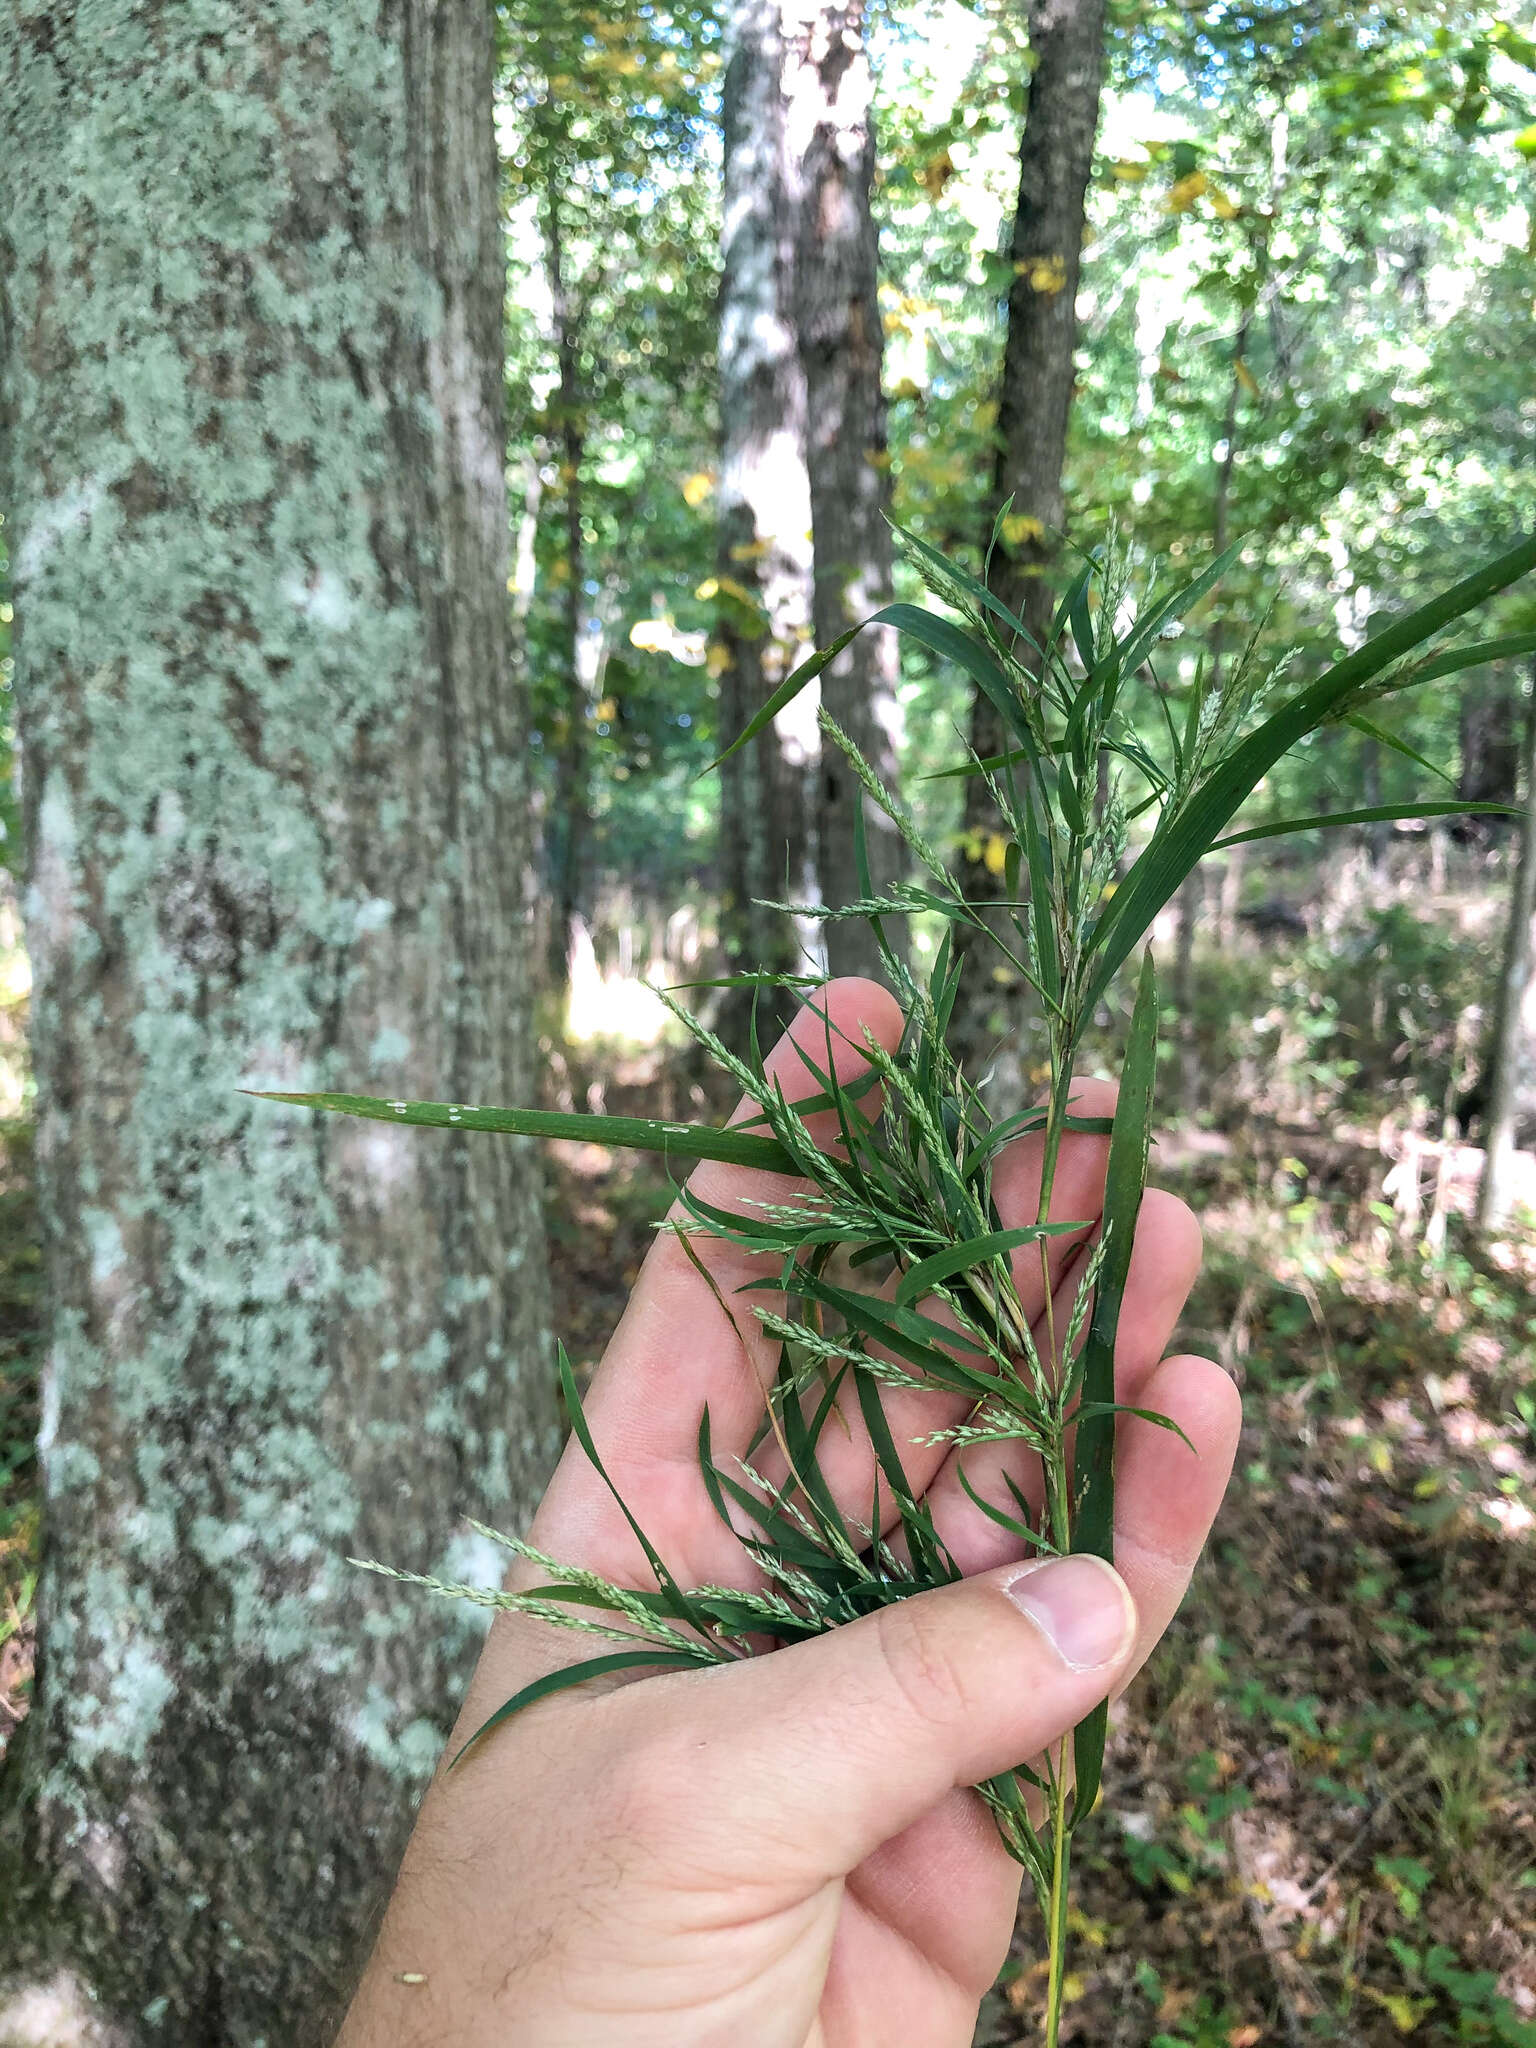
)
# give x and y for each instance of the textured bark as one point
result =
(764, 507)
(1035, 398)
(1512, 1065)
(1191, 896)
(276, 819)
(568, 825)
(831, 139)
(1489, 719)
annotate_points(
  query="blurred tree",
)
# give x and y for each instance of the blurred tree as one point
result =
(613, 217)
(764, 577)
(276, 821)
(829, 93)
(568, 825)
(1511, 1081)
(1035, 395)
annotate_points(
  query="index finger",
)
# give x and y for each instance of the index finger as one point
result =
(677, 1350)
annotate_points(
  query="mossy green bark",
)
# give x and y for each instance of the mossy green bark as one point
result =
(276, 823)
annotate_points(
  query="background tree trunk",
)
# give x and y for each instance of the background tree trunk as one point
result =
(764, 575)
(276, 824)
(1514, 1031)
(568, 825)
(837, 311)
(1035, 399)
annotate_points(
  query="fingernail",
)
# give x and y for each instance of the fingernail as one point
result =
(1081, 1607)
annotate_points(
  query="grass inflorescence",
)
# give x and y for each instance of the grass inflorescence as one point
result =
(895, 1270)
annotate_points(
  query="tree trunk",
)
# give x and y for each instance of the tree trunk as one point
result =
(1055, 159)
(276, 825)
(568, 826)
(1191, 896)
(837, 312)
(764, 574)
(1514, 1031)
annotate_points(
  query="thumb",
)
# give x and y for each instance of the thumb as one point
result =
(818, 1753)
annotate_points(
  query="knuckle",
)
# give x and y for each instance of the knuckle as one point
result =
(918, 1653)
(647, 1784)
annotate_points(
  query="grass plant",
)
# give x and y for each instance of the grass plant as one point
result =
(893, 1262)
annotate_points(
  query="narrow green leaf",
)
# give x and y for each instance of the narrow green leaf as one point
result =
(954, 644)
(1182, 841)
(676, 1598)
(578, 1674)
(1088, 1409)
(963, 1258)
(1399, 745)
(1474, 655)
(1166, 610)
(1377, 814)
(1093, 1463)
(964, 580)
(732, 1145)
(787, 692)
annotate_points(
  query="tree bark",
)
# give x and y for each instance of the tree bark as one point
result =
(1514, 1032)
(1488, 720)
(830, 92)
(1035, 399)
(765, 562)
(567, 828)
(276, 825)
(1191, 896)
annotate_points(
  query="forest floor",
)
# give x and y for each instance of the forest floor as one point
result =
(1319, 1818)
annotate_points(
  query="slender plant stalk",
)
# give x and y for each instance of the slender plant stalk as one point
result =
(907, 1199)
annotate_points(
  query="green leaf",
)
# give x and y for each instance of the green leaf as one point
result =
(787, 691)
(964, 580)
(578, 1674)
(961, 1258)
(1093, 1463)
(954, 644)
(1475, 654)
(676, 1598)
(1377, 814)
(1144, 632)
(1182, 841)
(1383, 738)
(732, 1145)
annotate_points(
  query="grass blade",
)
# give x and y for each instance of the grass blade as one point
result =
(1093, 1521)
(787, 692)
(1383, 738)
(962, 1258)
(1177, 847)
(578, 1674)
(1377, 814)
(732, 1145)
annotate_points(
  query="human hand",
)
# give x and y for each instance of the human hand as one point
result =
(782, 1852)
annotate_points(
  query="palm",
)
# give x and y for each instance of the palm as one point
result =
(921, 1927)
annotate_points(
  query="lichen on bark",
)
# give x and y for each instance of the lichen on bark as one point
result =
(275, 815)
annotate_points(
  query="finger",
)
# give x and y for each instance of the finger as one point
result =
(677, 1349)
(1165, 1259)
(1167, 1495)
(946, 1887)
(847, 1456)
(1077, 1191)
(821, 1752)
